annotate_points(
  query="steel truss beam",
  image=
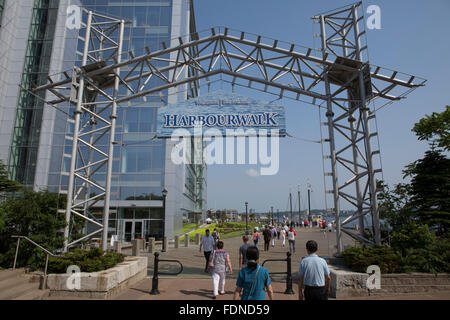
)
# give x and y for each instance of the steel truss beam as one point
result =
(344, 82)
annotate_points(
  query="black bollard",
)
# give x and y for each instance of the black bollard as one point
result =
(289, 275)
(155, 275)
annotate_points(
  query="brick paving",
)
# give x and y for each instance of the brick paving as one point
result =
(194, 283)
(194, 262)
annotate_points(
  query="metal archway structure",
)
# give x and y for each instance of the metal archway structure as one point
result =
(336, 78)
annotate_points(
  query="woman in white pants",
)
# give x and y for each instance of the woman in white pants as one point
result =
(283, 236)
(219, 261)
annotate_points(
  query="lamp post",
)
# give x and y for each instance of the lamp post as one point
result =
(164, 194)
(246, 217)
(271, 210)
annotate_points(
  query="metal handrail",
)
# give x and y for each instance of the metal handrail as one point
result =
(288, 272)
(48, 253)
(156, 272)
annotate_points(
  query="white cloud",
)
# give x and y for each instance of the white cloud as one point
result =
(252, 173)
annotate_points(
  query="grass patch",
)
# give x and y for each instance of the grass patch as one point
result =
(226, 230)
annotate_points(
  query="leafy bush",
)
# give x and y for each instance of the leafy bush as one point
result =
(412, 236)
(88, 260)
(424, 260)
(433, 259)
(358, 259)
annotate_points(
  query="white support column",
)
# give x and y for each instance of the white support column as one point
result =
(78, 112)
(111, 142)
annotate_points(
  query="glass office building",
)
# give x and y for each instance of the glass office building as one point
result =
(39, 144)
(141, 165)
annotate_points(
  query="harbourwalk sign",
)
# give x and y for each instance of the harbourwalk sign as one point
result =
(223, 111)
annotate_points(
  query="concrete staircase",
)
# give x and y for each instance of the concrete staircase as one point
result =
(18, 285)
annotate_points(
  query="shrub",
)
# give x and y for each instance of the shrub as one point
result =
(88, 260)
(412, 236)
(358, 259)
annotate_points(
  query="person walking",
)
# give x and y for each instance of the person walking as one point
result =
(291, 238)
(283, 236)
(207, 242)
(243, 253)
(215, 234)
(278, 232)
(253, 280)
(255, 237)
(273, 233)
(314, 275)
(219, 262)
(267, 235)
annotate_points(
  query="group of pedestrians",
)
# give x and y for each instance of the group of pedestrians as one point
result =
(270, 234)
(253, 280)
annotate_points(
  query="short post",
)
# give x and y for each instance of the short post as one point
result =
(197, 239)
(151, 245)
(136, 247)
(17, 251)
(118, 246)
(165, 243)
(155, 275)
(289, 275)
(143, 243)
(44, 281)
(177, 242)
(186, 240)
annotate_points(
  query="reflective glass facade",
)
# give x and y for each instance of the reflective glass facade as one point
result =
(139, 159)
(26, 132)
(2, 6)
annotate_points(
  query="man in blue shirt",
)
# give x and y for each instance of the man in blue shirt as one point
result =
(314, 275)
(208, 243)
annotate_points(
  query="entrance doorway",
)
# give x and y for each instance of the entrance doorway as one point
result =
(133, 229)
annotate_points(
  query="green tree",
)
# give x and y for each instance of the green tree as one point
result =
(430, 189)
(435, 128)
(7, 185)
(35, 215)
(395, 205)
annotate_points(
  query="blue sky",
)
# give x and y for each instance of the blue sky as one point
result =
(413, 39)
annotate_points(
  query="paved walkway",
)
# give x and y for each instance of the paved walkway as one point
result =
(201, 289)
(194, 262)
(195, 284)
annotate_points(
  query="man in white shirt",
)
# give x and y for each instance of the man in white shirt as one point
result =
(208, 243)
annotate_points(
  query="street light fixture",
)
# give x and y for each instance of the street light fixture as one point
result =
(271, 209)
(246, 217)
(164, 194)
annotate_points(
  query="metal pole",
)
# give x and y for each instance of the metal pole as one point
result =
(289, 275)
(78, 112)
(155, 275)
(44, 285)
(368, 145)
(112, 137)
(164, 224)
(17, 251)
(271, 210)
(290, 204)
(309, 207)
(299, 211)
(352, 127)
(329, 114)
(246, 218)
